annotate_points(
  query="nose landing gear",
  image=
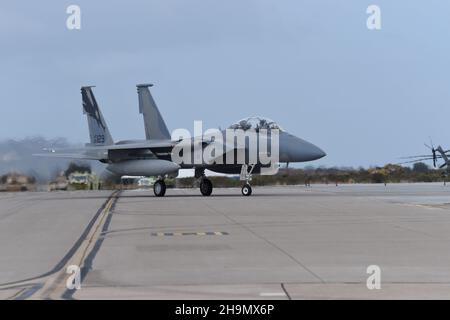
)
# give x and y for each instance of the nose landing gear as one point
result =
(246, 175)
(246, 190)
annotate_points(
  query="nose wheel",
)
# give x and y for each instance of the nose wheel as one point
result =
(246, 175)
(159, 188)
(206, 187)
(246, 190)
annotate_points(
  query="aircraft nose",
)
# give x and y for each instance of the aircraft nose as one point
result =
(314, 152)
(294, 149)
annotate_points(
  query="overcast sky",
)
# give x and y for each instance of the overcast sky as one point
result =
(365, 97)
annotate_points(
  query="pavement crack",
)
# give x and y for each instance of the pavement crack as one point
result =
(283, 287)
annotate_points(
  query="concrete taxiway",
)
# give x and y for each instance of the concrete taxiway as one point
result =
(281, 243)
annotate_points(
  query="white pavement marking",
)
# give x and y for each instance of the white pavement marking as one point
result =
(272, 294)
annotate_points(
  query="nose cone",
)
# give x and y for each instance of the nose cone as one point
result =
(293, 149)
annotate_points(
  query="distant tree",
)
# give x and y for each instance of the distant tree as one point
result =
(420, 167)
(379, 175)
(77, 167)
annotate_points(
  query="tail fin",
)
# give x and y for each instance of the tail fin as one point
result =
(155, 128)
(98, 130)
(443, 154)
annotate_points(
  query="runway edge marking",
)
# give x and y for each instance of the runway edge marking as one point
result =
(55, 286)
(179, 234)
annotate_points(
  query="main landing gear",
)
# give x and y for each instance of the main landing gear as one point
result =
(159, 188)
(206, 187)
(246, 175)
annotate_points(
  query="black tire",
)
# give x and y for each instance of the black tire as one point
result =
(206, 187)
(246, 190)
(159, 188)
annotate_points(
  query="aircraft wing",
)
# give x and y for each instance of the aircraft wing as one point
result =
(87, 153)
(79, 156)
(149, 144)
(91, 152)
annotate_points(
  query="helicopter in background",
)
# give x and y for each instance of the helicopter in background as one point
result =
(436, 154)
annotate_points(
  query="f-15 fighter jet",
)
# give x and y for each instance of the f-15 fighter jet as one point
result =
(254, 145)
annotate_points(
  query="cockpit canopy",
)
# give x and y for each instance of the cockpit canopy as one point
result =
(255, 123)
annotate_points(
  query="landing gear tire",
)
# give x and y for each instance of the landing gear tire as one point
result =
(206, 187)
(159, 188)
(246, 190)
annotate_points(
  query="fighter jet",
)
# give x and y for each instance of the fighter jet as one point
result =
(263, 147)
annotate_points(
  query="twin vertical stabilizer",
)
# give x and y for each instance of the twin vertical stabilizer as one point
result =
(98, 130)
(155, 127)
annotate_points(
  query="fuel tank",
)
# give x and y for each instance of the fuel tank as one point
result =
(147, 167)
